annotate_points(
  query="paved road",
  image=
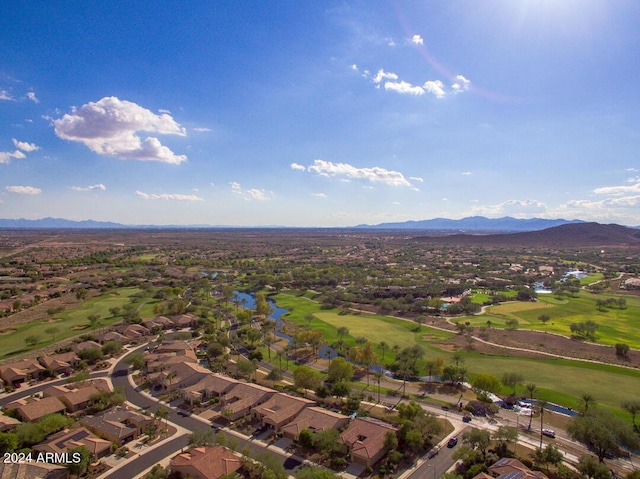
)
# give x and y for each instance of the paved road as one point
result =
(440, 463)
(120, 379)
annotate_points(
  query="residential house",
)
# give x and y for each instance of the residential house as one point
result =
(180, 376)
(157, 324)
(74, 399)
(67, 439)
(18, 372)
(113, 336)
(118, 425)
(513, 469)
(185, 321)
(135, 332)
(7, 423)
(77, 347)
(316, 419)
(211, 386)
(364, 440)
(210, 462)
(280, 409)
(159, 362)
(60, 363)
(33, 470)
(240, 399)
(32, 409)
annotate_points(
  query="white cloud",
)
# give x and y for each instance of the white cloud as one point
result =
(417, 40)
(24, 146)
(5, 95)
(461, 84)
(171, 197)
(466, 173)
(435, 87)
(344, 170)
(404, 88)
(32, 96)
(110, 126)
(99, 186)
(296, 166)
(382, 75)
(23, 190)
(619, 190)
(319, 195)
(515, 208)
(416, 178)
(250, 194)
(5, 156)
(201, 129)
(354, 67)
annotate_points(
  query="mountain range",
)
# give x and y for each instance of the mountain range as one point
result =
(472, 224)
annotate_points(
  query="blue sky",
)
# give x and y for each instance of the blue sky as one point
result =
(306, 113)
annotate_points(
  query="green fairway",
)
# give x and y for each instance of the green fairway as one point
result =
(561, 381)
(69, 323)
(614, 325)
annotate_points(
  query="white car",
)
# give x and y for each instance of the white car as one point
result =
(549, 433)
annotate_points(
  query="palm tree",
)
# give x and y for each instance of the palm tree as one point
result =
(378, 375)
(162, 413)
(531, 388)
(586, 401)
(541, 404)
(383, 346)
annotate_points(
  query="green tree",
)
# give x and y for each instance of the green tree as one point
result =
(32, 340)
(53, 423)
(245, 368)
(29, 434)
(157, 472)
(111, 347)
(544, 318)
(326, 442)
(162, 413)
(622, 350)
(8, 442)
(505, 435)
(339, 370)
(487, 383)
(306, 378)
(136, 360)
(309, 472)
(531, 388)
(81, 458)
(53, 332)
(593, 469)
(632, 406)
(201, 437)
(602, 432)
(94, 319)
(305, 439)
(478, 439)
(587, 401)
(91, 355)
(512, 380)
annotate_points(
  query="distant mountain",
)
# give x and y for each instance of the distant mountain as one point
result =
(60, 223)
(568, 235)
(474, 224)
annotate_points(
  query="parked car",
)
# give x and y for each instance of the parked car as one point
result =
(433, 452)
(549, 433)
(466, 418)
(453, 442)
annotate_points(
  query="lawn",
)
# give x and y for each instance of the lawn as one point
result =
(69, 323)
(614, 325)
(561, 381)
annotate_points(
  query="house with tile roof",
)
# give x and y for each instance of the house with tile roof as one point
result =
(240, 399)
(33, 409)
(60, 363)
(210, 462)
(7, 423)
(211, 386)
(280, 409)
(316, 419)
(508, 468)
(33, 470)
(118, 425)
(21, 371)
(364, 440)
(67, 439)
